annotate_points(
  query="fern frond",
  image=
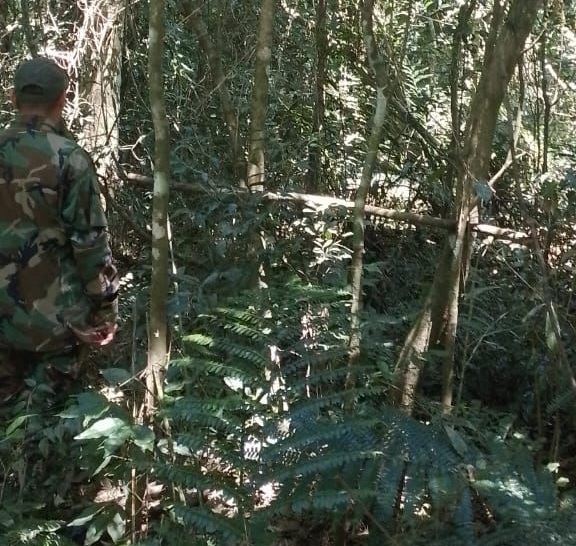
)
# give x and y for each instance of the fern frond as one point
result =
(313, 358)
(214, 368)
(316, 435)
(324, 463)
(337, 399)
(329, 376)
(326, 501)
(227, 315)
(464, 519)
(248, 332)
(192, 477)
(516, 490)
(193, 412)
(563, 401)
(241, 352)
(205, 521)
(389, 483)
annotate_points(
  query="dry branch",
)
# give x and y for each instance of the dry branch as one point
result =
(519, 237)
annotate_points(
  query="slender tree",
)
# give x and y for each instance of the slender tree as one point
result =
(192, 16)
(158, 331)
(440, 312)
(27, 27)
(379, 67)
(314, 173)
(5, 38)
(256, 174)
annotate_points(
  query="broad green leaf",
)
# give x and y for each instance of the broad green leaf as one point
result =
(107, 427)
(116, 375)
(551, 337)
(117, 438)
(456, 440)
(87, 515)
(143, 437)
(89, 405)
(96, 529)
(116, 528)
(17, 423)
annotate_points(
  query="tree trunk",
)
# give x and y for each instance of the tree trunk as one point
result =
(158, 334)
(501, 57)
(6, 36)
(192, 16)
(379, 66)
(27, 28)
(314, 174)
(103, 29)
(256, 175)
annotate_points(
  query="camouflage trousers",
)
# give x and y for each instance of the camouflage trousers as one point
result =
(56, 374)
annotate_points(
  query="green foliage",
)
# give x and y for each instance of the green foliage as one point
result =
(256, 396)
(41, 533)
(375, 466)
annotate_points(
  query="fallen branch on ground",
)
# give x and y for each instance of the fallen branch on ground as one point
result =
(519, 237)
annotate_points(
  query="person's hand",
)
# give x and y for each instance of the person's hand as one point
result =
(97, 336)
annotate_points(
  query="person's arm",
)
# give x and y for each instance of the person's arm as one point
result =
(86, 227)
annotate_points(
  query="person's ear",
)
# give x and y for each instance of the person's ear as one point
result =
(58, 105)
(13, 99)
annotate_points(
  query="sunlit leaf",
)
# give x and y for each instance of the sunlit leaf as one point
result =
(107, 427)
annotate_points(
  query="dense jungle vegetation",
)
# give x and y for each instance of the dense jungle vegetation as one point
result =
(345, 236)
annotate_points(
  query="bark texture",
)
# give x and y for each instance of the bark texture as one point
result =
(441, 306)
(379, 67)
(158, 334)
(98, 65)
(193, 18)
(314, 173)
(256, 175)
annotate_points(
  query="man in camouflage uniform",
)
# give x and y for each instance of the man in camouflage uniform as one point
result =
(58, 286)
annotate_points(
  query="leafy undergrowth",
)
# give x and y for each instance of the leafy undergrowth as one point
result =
(257, 442)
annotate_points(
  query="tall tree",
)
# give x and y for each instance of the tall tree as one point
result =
(256, 172)
(503, 49)
(379, 66)
(193, 17)
(314, 173)
(158, 330)
(99, 64)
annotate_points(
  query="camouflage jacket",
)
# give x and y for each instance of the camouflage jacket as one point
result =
(56, 267)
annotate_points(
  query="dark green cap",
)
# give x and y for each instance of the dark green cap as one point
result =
(39, 81)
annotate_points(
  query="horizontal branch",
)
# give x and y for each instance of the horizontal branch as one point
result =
(146, 182)
(391, 214)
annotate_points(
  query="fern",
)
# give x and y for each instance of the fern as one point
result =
(192, 478)
(36, 533)
(389, 462)
(565, 400)
(516, 490)
(408, 482)
(205, 522)
(464, 519)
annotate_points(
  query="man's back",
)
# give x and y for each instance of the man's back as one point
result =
(48, 199)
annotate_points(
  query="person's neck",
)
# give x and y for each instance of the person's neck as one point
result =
(27, 114)
(39, 118)
(31, 112)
